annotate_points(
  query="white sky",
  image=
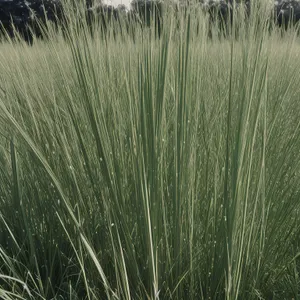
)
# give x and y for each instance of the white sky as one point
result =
(117, 2)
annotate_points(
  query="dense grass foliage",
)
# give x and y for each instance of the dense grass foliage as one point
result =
(151, 169)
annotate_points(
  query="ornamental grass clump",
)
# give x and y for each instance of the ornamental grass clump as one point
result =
(137, 167)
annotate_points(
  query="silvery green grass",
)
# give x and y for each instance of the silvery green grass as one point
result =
(134, 167)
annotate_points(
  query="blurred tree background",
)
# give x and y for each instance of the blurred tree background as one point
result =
(26, 16)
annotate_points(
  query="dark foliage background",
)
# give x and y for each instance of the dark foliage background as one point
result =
(22, 15)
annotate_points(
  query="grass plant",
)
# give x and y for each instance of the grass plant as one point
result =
(151, 168)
